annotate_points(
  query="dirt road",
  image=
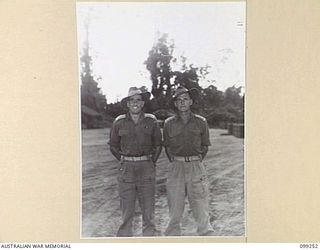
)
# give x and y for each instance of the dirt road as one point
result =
(100, 201)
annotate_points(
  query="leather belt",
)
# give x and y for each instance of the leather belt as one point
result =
(187, 158)
(136, 158)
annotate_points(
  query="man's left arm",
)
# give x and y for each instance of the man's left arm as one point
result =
(157, 142)
(114, 141)
(204, 150)
(156, 154)
(205, 139)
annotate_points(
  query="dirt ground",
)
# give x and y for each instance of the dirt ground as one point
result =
(101, 214)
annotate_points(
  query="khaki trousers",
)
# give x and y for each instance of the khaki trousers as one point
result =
(188, 179)
(136, 181)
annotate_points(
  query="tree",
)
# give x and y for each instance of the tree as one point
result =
(232, 95)
(91, 94)
(212, 97)
(215, 105)
(115, 109)
(158, 64)
(164, 80)
(188, 78)
(93, 101)
(234, 103)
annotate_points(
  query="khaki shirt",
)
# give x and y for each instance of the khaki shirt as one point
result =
(135, 139)
(186, 139)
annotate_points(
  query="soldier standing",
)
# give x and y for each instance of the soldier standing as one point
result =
(186, 141)
(135, 140)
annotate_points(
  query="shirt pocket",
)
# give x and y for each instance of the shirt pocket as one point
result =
(173, 133)
(125, 138)
(195, 136)
(145, 138)
(123, 132)
(176, 138)
(195, 132)
(147, 130)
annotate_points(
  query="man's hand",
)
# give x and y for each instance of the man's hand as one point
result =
(170, 157)
(156, 154)
(115, 152)
(204, 152)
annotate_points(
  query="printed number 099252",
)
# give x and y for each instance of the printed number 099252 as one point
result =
(309, 246)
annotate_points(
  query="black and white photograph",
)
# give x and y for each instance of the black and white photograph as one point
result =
(162, 103)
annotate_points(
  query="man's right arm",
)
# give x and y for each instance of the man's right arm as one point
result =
(116, 152)
(114, 141)
(170, 157)
(205, 139)
(166, 141)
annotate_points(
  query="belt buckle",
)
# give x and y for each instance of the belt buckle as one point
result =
(187, 158)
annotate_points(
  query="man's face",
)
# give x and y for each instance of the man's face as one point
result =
(135, 104)
(183, 102)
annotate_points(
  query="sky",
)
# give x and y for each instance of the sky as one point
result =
(121, 34)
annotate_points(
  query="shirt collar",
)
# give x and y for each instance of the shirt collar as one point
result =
(142, 116)
(192, 116)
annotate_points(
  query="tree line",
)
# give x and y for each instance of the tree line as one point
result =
(219, 107)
